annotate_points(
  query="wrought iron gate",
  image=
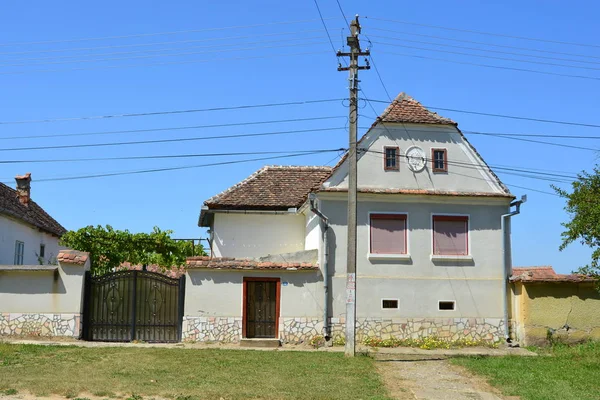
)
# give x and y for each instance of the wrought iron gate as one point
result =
(133, 305)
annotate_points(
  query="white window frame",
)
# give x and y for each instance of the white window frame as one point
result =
(19, 256)
(441, 257)
(391, 299)
(380, 256)
(447, 301)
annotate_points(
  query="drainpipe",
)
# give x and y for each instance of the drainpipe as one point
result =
(507, 254)
(325, 226)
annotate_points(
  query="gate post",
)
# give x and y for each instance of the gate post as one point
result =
(85, 313)
(134, 305)
(181, 304)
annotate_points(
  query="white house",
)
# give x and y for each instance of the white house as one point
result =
(28, 235)
(433, 252)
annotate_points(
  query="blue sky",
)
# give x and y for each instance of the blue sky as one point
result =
(277, 62)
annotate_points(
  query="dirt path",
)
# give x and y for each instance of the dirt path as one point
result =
(432, 379)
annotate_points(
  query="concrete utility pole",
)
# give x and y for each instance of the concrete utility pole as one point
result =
(353, 68)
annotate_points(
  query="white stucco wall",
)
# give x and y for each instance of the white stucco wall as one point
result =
(418, 282)
(313, 231)
(12, 230)
(43, 292)
(466, 170)
(210, 293)
(256, 235)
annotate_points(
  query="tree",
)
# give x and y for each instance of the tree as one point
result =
(109, 248)
(583, 206)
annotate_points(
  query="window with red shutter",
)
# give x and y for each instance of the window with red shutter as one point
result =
(388, 234)
(450, 235)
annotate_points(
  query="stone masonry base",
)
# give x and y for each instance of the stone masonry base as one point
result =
(40, 324)
(302, 330)
(451, 329)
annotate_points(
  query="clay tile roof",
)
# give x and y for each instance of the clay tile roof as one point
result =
(32, 214)
(246, 264)
(406, 109)
(271, 188)
(545, 274)
(421, 192)
(72, 257)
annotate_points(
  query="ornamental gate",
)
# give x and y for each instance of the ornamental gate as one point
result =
(133, 305)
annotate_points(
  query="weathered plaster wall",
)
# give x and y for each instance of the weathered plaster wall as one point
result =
(465, 170)
(255, 235)
(12, 230)
(553, 306)
(418, 282)
(43, 303)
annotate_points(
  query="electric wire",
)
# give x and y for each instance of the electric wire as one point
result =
(122, 173)
(489, 57)
(160, 33)
(484, 50)
(535, 71)
(236, 38)
(175, 128)
(485, 33)
(177, 140)
(170, 112)
(220, 50)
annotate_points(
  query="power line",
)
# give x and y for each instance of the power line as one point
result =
(485, 33)
(488, 51)
(176, 128)
(168, 55)
(195, 110)
(168, 156)
(164, 169)
(242, 135)
(245, 58)
(529, 49)
(536, 141)
(3, 64)
(506, 116)
(494, 66)
(325, 26)
(236, 38)
(161, 33)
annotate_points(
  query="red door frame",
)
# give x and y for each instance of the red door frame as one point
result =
(277, 301)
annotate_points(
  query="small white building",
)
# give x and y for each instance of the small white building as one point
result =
(432, 252)
(28, 235)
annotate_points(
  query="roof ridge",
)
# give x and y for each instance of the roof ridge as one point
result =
(403, 96)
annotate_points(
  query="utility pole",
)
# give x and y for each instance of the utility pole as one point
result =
(353, 68)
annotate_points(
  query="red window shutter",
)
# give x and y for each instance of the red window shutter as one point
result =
(450, 235)
(388, 234)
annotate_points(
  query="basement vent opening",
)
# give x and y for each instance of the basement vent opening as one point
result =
(446, 305)
(389, 303)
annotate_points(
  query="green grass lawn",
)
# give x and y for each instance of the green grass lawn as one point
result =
(561, 372)
(187, 373)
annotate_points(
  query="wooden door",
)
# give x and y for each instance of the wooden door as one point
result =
(261, 307)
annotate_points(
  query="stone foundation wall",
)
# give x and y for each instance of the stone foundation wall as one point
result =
(302, 330)
(212, 329)
(489, 329)
(40, 324)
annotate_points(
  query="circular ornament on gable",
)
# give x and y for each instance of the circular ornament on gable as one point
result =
(415, 157)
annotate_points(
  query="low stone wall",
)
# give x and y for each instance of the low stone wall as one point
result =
(229, 329)
(40, 324)
(451, 329)
(212, 329)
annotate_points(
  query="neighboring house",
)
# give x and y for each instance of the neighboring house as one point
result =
(548, 306)
(430, 252)
(28, 235)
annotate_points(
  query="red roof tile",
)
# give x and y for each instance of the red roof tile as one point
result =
(72, 257)
(406, 109)
(545, 274)
(246, 264)
(271, 188)
(32, 214)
